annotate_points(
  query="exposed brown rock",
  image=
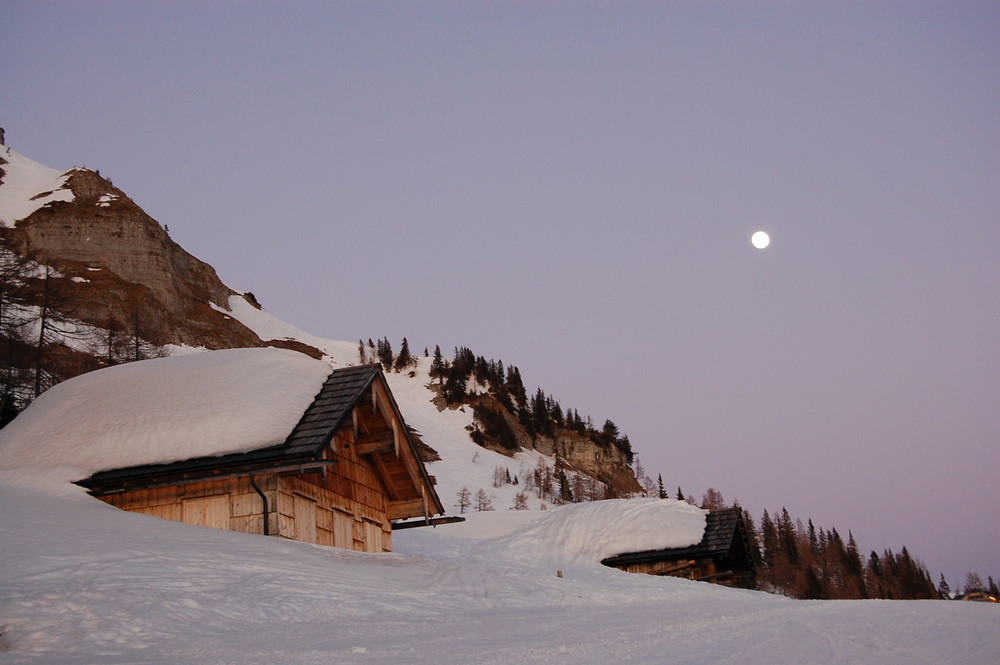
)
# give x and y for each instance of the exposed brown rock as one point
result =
(128, 271)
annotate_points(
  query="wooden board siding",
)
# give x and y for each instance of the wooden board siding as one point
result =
(229, 503)
(211, 511)
(344, 507)
(332, 518)
(687, 568)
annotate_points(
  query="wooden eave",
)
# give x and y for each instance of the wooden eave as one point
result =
(381, 435)
(267, 460)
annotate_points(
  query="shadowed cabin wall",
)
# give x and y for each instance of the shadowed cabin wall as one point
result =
(347, 508)
(686, 568)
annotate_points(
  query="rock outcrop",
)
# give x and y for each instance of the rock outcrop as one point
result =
(125, 269)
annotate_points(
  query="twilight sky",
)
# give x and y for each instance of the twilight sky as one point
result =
(571, 187)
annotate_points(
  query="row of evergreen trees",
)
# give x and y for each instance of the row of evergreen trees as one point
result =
(806, 562)
(803, 561)
(538, 415)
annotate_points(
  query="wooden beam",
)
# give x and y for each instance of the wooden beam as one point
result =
(396, 437)
(434, 521)
(403, 509)
(372, 444)
(383, 472)
(411, 464)
(668, 568)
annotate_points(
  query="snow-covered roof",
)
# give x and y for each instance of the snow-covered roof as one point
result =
(23, 181)
(596, 530)
(163, 410)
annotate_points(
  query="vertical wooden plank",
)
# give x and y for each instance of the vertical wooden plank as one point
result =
(305, 519)
(217, 511)
(212, 511)
(193, 511)
(343, 535)
(286, 527)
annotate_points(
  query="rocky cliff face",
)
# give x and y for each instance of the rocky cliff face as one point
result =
(124, 269)
(606, 463)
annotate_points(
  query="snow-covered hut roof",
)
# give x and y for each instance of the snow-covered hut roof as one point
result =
(343, 389)
(725, 538)
(164, 410)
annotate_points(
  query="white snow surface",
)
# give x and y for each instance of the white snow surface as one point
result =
(269, 327)
(85, 583)
(27, 186)
(162, 410)
(82, 582)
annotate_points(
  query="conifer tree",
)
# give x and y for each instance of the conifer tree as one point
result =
(385, 355)
(482, 501)
(403, 359)
(437, 370)
(516, 388)
(944, 591)
(520, 501)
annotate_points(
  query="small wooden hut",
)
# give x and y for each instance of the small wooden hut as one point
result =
(727, 554)
(347, 469)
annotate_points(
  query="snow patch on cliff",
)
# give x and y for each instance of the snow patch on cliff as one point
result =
(28, 186)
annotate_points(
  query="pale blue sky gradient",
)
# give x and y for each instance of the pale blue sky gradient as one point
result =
(571, 188)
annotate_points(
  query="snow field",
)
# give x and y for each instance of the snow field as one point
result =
(27, 186)
(86, 583)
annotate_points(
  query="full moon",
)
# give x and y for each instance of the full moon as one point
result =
(760, 240)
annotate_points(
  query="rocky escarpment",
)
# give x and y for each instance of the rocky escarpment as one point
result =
(578, 452)
(125, 272)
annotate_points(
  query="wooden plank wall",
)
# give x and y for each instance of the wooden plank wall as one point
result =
(346, 507)
(350, 503)
(229, 503)
(687, 568)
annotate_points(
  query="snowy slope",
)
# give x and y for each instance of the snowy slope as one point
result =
(27, 186)
(268, 327)
(85, 583)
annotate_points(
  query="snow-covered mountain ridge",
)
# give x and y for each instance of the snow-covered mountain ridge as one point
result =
(120, 277)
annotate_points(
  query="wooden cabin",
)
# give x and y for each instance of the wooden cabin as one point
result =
(727, 554)
(345, 472)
